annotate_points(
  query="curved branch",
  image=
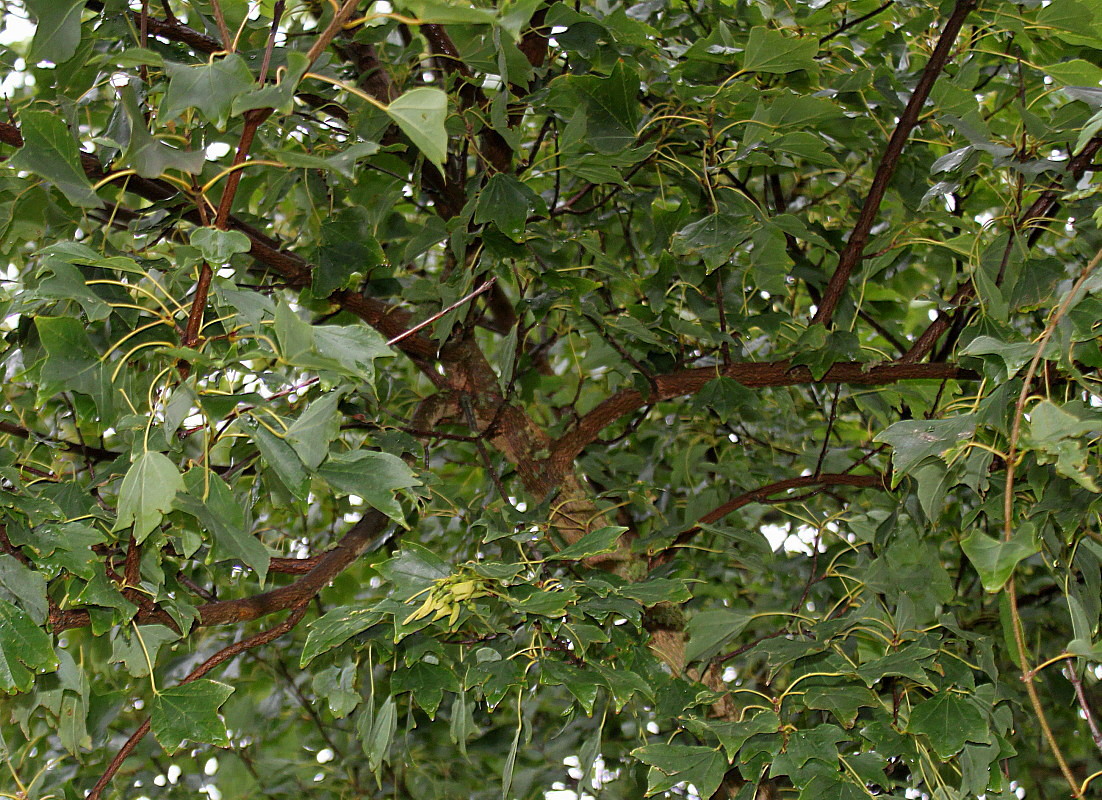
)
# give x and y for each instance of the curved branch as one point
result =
(859, 237)
(763, 493)
(365, 535)
(226, 653)
(754, 375)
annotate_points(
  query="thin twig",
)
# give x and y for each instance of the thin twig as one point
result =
(1028, 674)
(829, 430)
(484, 287)
(1084, 703)
(845, 26)
(223, 31)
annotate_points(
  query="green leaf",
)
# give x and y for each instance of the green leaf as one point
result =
(23, 647)
(189, 713)
(710, 631)
(149, 155)
(995, 559)
(211, 501)
(348, 249)
(147, 493)
(1075, 72)
(67, 283)
(714, 237)
(772, 51)
(376, 742)
(26, 586)
(414, 569)
(426, 684)
(609, 106)
(72, 363)
(1055, 431)
(217, 246)
(132, 648)
(842, 701)
(907, 663)
(733, 735)
(594, 543)
(376, 477)
(281, 457)
(657, 590)
(347, 350)
(833, 787)
(280, 96)
(69, 545)
(504, 202)
(949, 720)
(335, 628)
(445, 13)
(1014, 355)
(671, 764)
(57, 34)
(50, 152)
(421, 114)
(211, 88)
(914, 440)
(314, 429)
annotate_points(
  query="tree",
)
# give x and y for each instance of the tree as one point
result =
(682, 398)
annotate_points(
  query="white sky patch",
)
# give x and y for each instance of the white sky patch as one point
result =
(17, 26)
(217, 150)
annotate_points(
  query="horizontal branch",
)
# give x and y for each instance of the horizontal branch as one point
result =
(765, 492)
(364, 535)
(752, 375)
(88, 451)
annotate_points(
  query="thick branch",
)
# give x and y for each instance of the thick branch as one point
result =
(173, 30)
(776, 373)
(855, 247)
(387, 319)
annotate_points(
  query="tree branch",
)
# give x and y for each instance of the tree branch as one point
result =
(859, 237)
(1041, 208)
(365, 535)
(752, 375)
(764, 492)
(226, 653)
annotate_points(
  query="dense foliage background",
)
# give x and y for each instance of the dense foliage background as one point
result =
(686, 398)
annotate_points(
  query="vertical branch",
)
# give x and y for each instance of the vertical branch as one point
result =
(859, 237)
(223, 31)
(253, 119)
(1084, 703)
(1028, 672)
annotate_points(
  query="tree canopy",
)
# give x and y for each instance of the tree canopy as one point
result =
(435, 399)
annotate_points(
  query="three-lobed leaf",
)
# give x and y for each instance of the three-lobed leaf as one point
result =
(189, 713)
(147, 493)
